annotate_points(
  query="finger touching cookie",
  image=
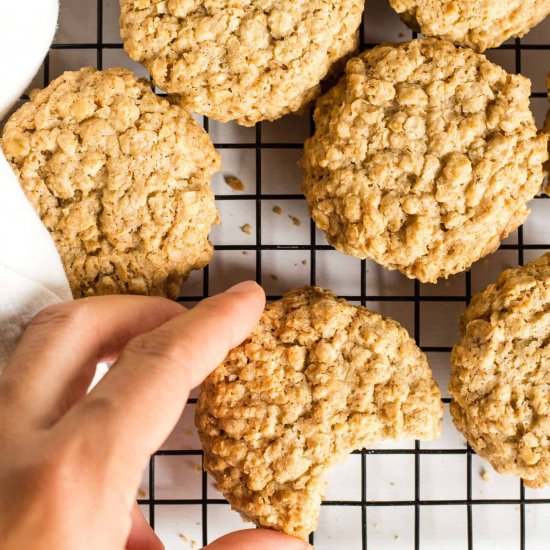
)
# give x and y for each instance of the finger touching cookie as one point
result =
(317, 379)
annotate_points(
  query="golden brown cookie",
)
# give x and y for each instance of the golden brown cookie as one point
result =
(424, 157)
(501, 373)
(547, 131)
(317, 379)
(479, 24)
(119, 177)
(240, 60)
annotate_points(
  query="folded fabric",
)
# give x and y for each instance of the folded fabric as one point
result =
(31, 272)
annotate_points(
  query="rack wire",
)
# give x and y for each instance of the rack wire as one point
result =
(422, 537)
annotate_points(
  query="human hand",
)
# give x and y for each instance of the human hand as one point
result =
(71, 462)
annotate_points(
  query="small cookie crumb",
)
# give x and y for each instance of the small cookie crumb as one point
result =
(396, 537)
(246, 228)
(484, 475)
(194, 544)
(235, 183)
(183, 537)
(304, 262)
(141, 493)
(274, 277)
(295, 220)
(277, 210)
(197, 468)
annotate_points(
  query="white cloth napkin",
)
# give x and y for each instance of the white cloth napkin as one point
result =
(31, 272)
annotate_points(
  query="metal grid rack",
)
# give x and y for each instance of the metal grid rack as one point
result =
(416, 299)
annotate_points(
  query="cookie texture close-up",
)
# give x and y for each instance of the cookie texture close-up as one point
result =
(479, 24)
(119, 177)
(317, 379)
(424, 157)
(547, 131)
(501, 373)
(240, 60)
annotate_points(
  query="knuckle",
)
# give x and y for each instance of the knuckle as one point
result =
(65, 452)
(160, 346)
(222, 309)
(66, 315)
(222, 306)
(100, 414)
(99, 408)
(54, 464)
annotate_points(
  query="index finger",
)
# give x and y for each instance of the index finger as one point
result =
(133, 409)
(252, 539)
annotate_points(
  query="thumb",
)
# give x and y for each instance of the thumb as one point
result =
(142, 537)
(252, 539)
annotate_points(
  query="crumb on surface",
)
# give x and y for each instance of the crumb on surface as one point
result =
(194, 544)
(277, 210)
(304, 262)
(274, 277)
(245, 252)
(197, 468)
(141, 493)
(183, 537)
(246, 228)
(295, 220)
(235, 183)
(484, 475)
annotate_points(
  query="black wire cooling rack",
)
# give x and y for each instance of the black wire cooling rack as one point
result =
(420, 539)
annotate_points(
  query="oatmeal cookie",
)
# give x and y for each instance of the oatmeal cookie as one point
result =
(240, 60)
(317, 378)
(501, 373)
(119, 177)
(479, 24)
(547, 131)
(424, 158)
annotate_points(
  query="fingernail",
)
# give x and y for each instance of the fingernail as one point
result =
(245, 286)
